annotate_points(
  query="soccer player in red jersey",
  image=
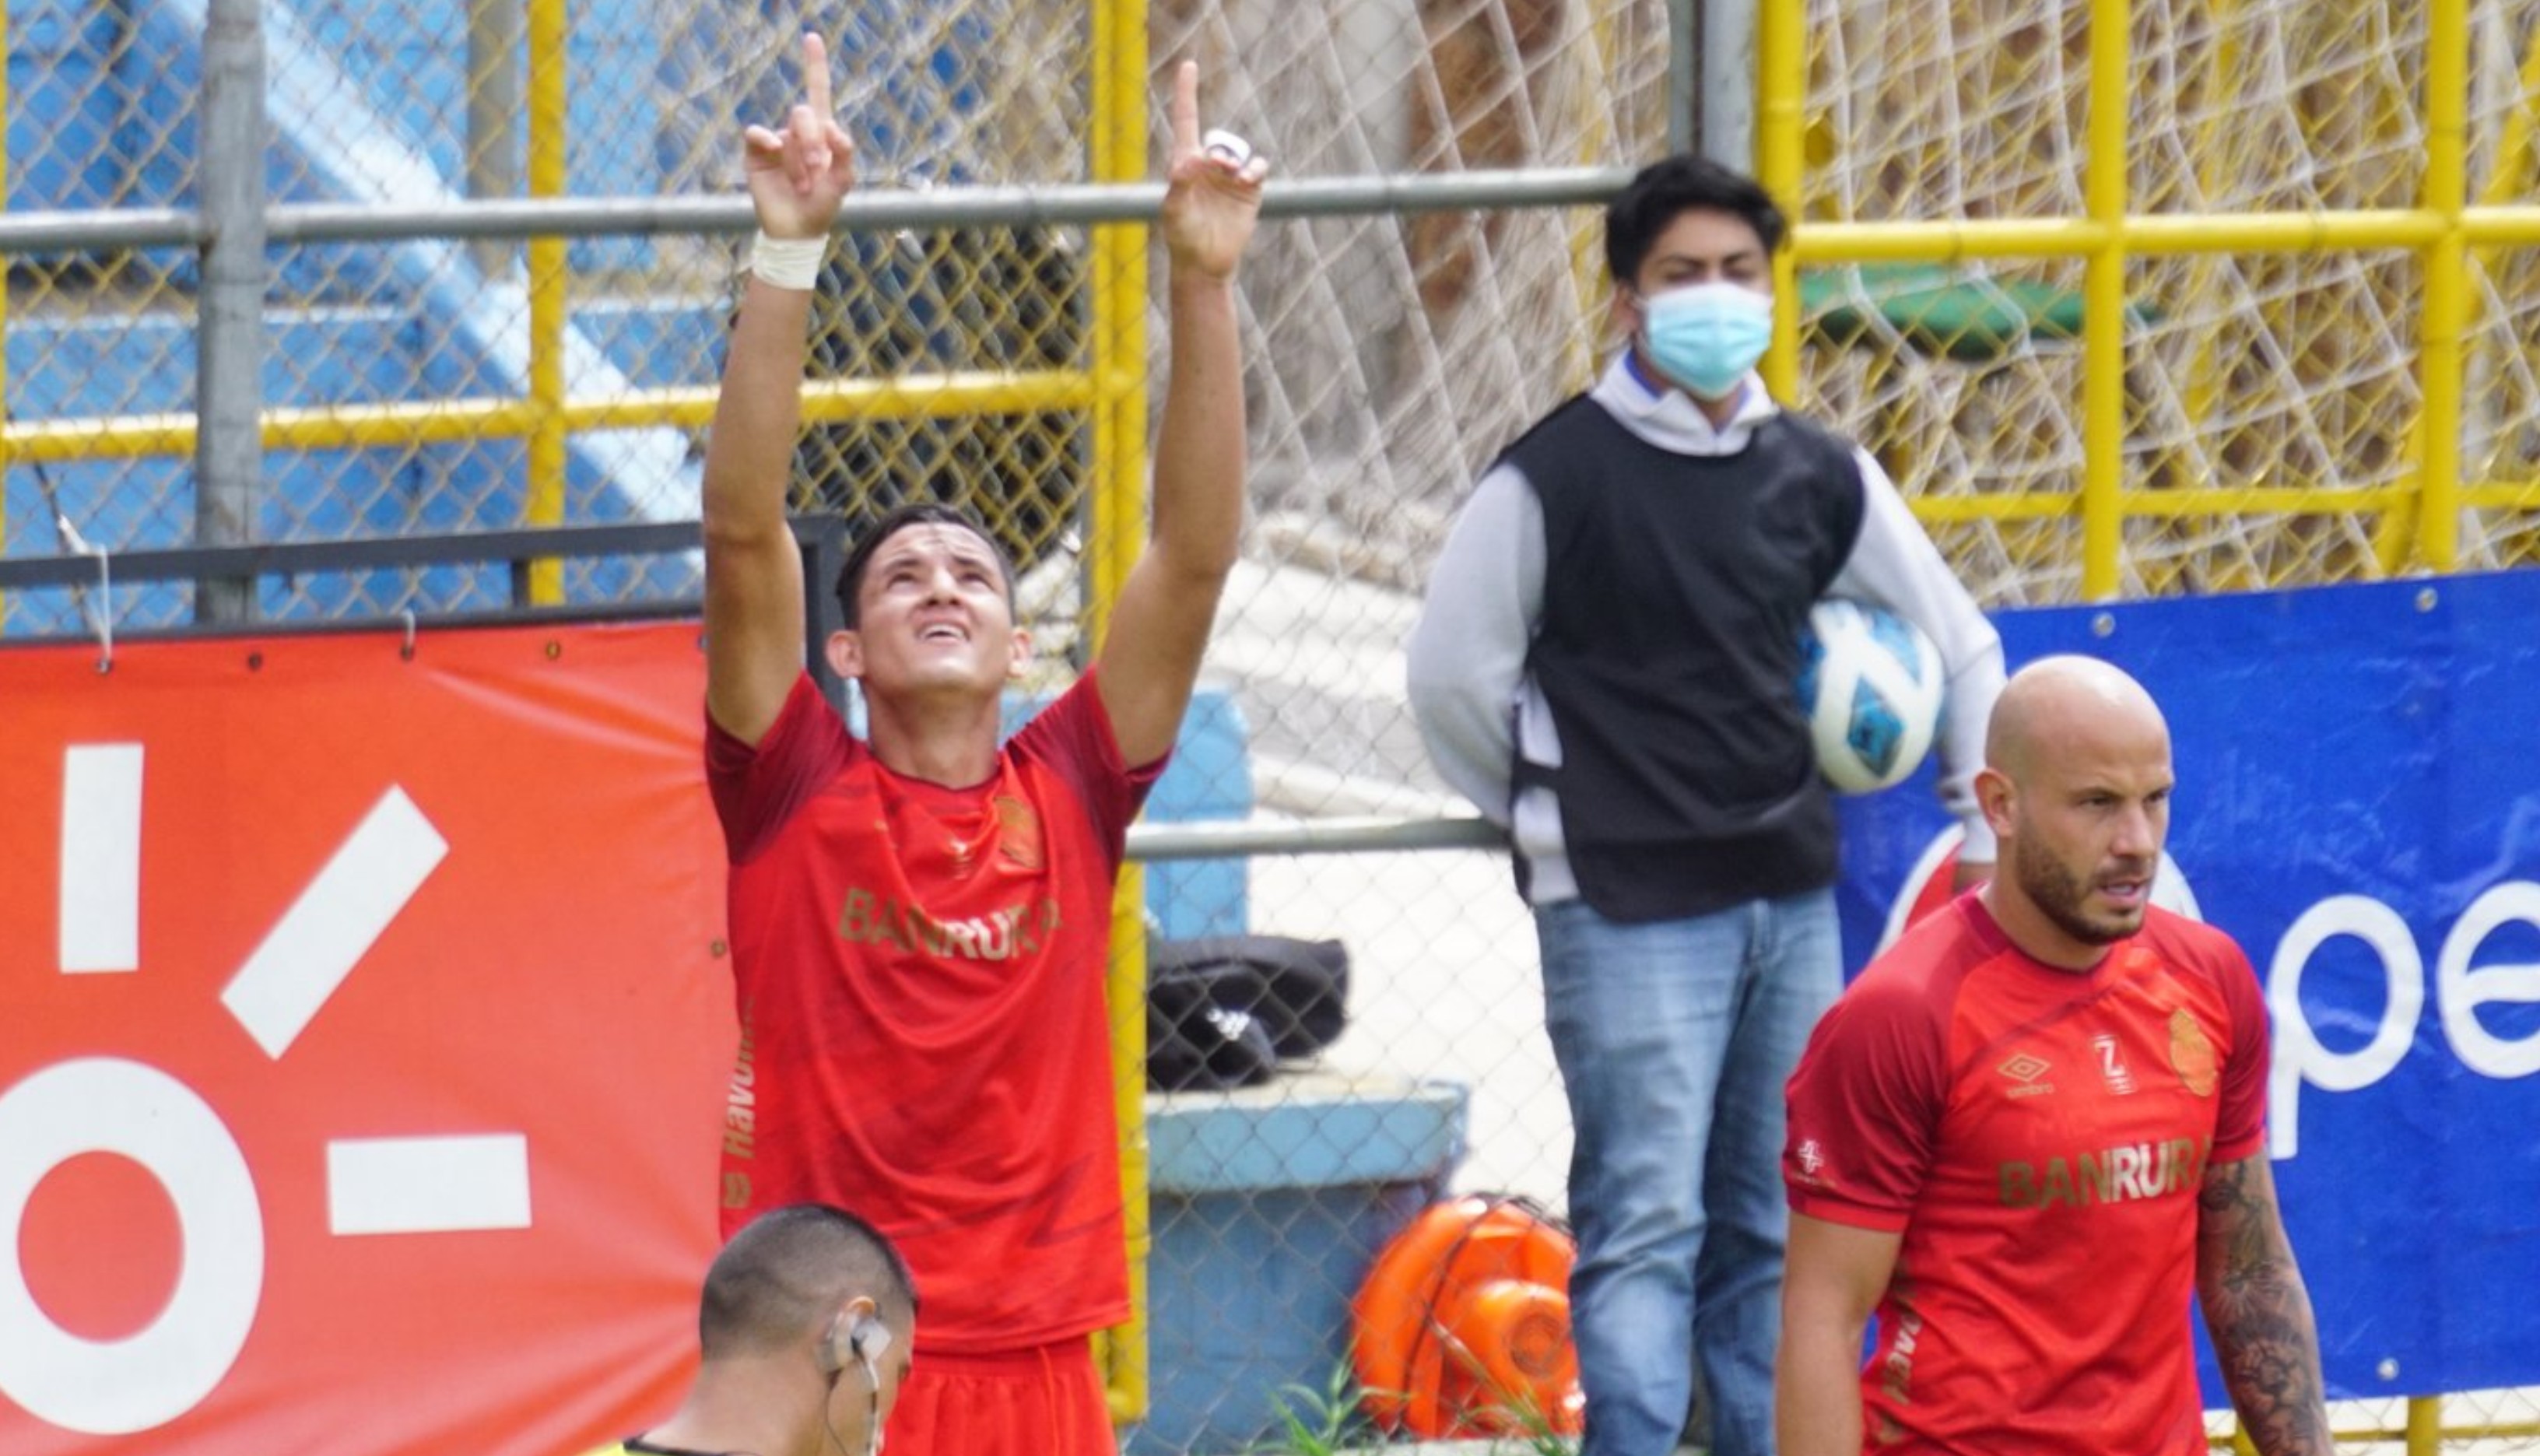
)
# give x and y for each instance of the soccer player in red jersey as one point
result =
(2031, 1129)
(920, 921)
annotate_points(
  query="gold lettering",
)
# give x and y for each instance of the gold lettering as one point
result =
(2126, 1167)
(997, 935)
(2186, 1165)
(856, 920)
(2058, 1185)
(2018, 1186)
(740, 1098)
(960, 938)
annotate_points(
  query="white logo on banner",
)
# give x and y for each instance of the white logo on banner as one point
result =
(142, 1113)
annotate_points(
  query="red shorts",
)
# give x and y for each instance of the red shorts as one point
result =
(1043, 1401)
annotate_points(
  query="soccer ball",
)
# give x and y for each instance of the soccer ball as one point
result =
(1871, 683)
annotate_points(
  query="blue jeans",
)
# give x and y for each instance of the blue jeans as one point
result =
(1674, 1039)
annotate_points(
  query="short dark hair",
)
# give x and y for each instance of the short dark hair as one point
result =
(850, 576)
(789, 1270)
(1677, 184)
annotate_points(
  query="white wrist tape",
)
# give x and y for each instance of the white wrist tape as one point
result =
(788, 262)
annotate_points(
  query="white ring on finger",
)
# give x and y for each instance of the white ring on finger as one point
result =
(1221, 143)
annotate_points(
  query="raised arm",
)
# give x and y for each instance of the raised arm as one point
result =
(1160, 626)
(1831, 1280)
(753, 571)
(2258, 1312)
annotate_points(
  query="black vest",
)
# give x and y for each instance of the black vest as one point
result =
(1674, 591)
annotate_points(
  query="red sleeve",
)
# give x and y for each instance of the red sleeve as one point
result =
(1865, 1105)
(2241, 1120)
(1073, 737)
(756, 790)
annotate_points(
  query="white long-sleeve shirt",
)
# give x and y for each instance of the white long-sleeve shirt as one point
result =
(1478, 708)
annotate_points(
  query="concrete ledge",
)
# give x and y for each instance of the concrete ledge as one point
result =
(1310, 1130)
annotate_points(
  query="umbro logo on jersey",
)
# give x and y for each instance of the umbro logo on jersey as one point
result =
(2023, 1069)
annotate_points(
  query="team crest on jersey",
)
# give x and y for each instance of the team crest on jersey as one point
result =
(2191, 1054)
(1017, 831)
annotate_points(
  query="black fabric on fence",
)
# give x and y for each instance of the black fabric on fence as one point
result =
(1223, 1011)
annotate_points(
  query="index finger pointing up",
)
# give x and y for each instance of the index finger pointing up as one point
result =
(815, 77)
(1185, 109)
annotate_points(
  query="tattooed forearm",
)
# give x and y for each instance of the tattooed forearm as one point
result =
(2258, 1312)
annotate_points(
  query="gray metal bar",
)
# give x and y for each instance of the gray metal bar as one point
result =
(229, 357)
(1684, 53)
(868, 211)
(497, 36)
(281, 557)
(1728, 66)
(1228, 840)
(44, 232)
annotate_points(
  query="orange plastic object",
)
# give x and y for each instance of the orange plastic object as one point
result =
(1463, 1325)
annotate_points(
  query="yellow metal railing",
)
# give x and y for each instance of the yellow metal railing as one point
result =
(548, 296)
(2442, 230)
(1117, 152)
(911, 396)
(2421, 515)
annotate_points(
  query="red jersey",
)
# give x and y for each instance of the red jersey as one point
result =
(2038, 1136)
(923, 1034)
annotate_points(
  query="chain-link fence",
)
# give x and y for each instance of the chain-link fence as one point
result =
(429, 384)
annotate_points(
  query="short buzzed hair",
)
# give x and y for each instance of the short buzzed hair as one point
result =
(786, 1274)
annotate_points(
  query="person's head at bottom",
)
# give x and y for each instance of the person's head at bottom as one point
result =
(805, 1331)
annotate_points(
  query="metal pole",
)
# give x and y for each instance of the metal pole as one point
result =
(2446, 305)
(229, 453)
(495, 33)
(1728, 100)
(1116, 487)
(1686, 52)
(543, 505)
(2103, 307)
(1781, 72)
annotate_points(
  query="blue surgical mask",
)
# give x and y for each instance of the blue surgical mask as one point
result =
(1706, 336)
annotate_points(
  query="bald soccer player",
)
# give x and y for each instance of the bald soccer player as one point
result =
(2030, 1130)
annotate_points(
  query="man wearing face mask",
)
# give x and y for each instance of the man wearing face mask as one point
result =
(1607, 665)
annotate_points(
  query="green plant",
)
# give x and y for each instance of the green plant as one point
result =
(1333, 1421)
(1320, 1422)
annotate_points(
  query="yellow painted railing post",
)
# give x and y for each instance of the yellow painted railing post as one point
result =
(1117, 489)
(1581, 354)
(2447, 265)
(1780, 96)
(2425, 1425)
(2103, 306)
(544, 504)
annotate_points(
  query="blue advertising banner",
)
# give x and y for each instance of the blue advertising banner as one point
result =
(2359, 805)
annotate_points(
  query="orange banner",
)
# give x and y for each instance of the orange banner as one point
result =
(363, 1039)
